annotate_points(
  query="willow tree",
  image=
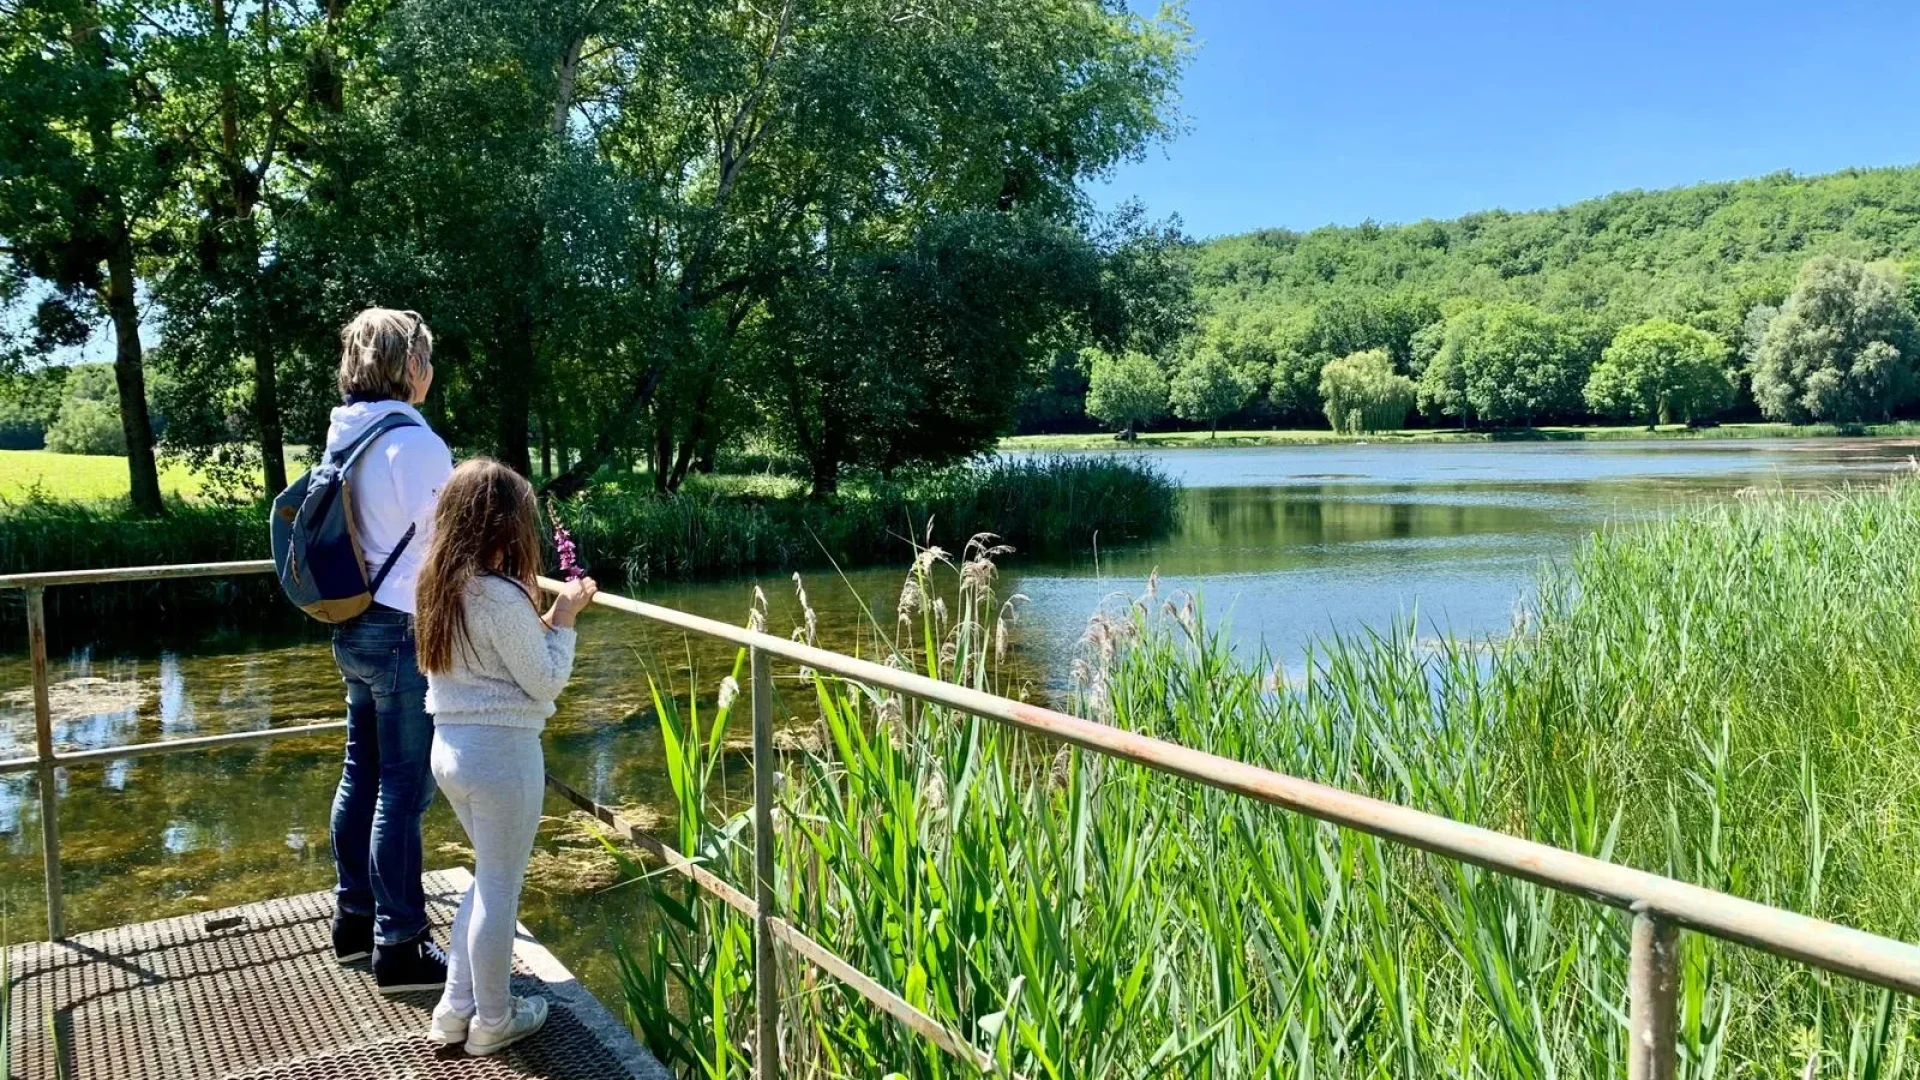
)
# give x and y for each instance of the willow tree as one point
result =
(1363, 393)
(1842, 347)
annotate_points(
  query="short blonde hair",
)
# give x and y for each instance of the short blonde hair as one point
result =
(376, 350)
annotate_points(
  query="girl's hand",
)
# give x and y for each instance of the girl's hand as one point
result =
(570, 601)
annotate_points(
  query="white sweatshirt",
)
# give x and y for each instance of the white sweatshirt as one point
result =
(394, 485)
(510, 669)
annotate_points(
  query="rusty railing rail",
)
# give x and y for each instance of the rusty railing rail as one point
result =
(1660, 907)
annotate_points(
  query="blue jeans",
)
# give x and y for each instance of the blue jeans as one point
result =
(386, 782)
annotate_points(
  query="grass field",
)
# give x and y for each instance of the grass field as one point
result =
(1304, 437)
(80, 477)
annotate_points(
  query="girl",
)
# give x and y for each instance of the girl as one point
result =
(494, 665)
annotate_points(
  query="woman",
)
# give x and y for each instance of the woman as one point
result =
(494, 666)
(386, 369)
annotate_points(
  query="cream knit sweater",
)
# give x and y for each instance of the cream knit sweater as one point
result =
(512, 667)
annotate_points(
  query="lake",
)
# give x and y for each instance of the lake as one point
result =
(1283, 544)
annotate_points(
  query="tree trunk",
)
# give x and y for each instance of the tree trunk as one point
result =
(546, 448)
(266, 416)
(513, 399)
(129, 375)
(605, 442)
(826, 477)
(660, 457)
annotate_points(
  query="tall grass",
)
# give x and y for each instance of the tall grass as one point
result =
(6, 996)
(42, 533)
(1051, 507)
(1729, 698)
(1048, 507)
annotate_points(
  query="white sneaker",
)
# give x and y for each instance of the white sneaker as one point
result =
(448, 1027)
(525, 1016)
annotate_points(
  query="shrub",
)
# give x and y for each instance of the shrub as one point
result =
(87, 426)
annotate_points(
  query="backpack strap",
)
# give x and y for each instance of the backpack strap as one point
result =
(350, 454)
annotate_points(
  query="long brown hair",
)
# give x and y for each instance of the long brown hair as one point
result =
(487, 522)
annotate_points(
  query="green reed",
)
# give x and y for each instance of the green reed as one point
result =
(1731, 697)
(1059, 507)
(43, 533)
(1050, 507)
(6, 994)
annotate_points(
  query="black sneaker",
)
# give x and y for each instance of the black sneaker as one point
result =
(414, 964)
(352, 937)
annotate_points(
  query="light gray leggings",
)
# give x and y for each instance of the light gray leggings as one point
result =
(494, 777)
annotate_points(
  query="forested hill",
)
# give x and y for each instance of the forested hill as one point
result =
(1519, 308)
(1704, 255)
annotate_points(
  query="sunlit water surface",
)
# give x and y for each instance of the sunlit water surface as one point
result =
(1285, 543)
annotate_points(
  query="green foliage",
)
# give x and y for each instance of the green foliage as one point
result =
(89, 418)
(92, 151)
(1661, 372)
(29, 402)
(1842, 347)
(1207, 386)
(1046, 507)
(1126, 389)
(1364, 394)
(1705, 256)
(87, 426)
(612, 214)
(916, 355)
(1702, 255)
(39, 532)
(1503, 364)
(1726, 698)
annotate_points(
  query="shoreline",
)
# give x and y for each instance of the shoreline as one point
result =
(1198, 440)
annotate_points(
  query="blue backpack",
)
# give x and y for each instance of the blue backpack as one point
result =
(316, 552)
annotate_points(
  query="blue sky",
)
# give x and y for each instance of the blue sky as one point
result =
(1305, 114)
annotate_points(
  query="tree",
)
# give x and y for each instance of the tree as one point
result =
(1363, 393)
(1659, 371)
(1125, 390)
(762, 144)
(1841, 348)
(897, 356)
(92, 152)
(1503, 363)
(255, 85)
(1206, 387)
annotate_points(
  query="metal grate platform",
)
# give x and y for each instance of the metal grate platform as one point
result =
(253, 992)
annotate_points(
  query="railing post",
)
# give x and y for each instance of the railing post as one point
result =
(765, 972)
(43, 749)
(1653, 978)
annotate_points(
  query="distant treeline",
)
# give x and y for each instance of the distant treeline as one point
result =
(1507, 319)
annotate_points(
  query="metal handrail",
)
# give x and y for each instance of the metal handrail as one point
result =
(1660, 906)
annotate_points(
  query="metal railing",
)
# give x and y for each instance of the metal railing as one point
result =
(1660, 907)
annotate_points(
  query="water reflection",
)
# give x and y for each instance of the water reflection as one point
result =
(1286, 543)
